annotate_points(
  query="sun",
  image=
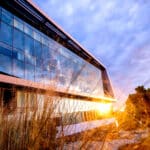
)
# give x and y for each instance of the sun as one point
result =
(104, 108)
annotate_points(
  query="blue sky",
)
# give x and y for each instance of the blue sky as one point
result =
(114, 31)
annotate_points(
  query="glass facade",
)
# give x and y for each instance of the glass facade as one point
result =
(58, 105)
(29, 54)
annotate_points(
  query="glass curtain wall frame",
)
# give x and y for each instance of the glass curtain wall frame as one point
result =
(32, 52)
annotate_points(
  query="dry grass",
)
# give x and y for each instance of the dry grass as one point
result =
(28, 130)
(143, 144)
(35, 129)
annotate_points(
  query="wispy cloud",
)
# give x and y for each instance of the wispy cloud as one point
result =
(116, 32)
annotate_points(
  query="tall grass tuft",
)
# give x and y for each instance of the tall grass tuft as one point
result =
(28, 130)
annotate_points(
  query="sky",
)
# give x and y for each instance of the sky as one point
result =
(116, 32)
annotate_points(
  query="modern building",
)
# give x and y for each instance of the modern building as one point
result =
(38, 58)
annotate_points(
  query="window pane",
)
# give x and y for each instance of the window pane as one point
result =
(18, 24)
(18, 40)
(38, 49)
(28, 30)
(45, 40)
(29, 72)
(44, 76)
(5, 51)
(6, 33)
(0, 13)
(30, 59)
(64, 64)
(29, 45)
(38, 74)
(46, 58)
(74, 73)
(18, 55)
(51, 43)
(5, 64)
(37, 36)
(7, 17)
(18, 68)
(38, 53)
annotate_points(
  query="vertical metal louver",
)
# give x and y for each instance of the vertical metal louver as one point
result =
(23, 4)
(74, 45)
(55, 30)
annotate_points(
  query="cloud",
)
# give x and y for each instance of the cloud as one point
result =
(68, 9)
(116, 32)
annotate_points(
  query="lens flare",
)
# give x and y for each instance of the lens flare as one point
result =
(104, 108)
